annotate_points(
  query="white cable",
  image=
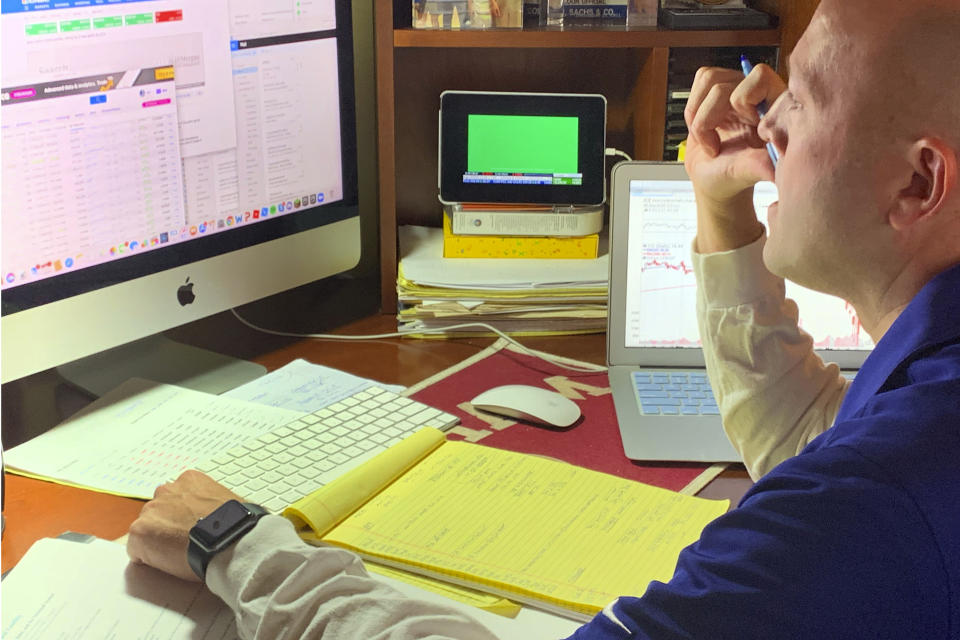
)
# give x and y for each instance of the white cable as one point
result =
(610, 151)
(399, 334)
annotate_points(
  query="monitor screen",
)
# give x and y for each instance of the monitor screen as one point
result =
(506, 149)
(162, 161)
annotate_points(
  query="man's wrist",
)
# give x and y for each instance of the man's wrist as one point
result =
(219, 530)
(728, 224)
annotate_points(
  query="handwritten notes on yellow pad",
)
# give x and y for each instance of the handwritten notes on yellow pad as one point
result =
(525, 527)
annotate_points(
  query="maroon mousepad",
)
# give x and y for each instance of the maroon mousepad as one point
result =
(592, 442)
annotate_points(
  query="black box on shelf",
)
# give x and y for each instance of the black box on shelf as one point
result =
(715, 18)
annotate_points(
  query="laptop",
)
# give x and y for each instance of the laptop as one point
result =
(664, 404)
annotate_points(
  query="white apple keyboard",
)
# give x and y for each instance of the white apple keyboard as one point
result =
(280, 467)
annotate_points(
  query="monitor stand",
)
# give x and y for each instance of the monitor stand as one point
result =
(160, 359)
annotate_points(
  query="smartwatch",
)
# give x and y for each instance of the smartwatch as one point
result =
(217, 531)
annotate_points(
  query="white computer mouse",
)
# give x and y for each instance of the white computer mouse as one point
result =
(533, 404)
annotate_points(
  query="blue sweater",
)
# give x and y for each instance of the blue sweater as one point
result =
(858, 536)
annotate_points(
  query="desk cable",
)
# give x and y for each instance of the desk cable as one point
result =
(552, 359)
(610, 151)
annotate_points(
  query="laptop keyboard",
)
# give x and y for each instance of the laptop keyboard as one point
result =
(674, 393)
(278, 468)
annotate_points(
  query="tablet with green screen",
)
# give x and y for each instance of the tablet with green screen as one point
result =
(531, 148)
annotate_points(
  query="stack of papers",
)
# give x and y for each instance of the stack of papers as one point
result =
(71, 589)
(143, 434)
(517, 296)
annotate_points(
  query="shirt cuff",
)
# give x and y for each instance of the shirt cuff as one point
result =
(732, 278)
(229, 570)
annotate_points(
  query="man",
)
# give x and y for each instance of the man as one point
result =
(858, 536)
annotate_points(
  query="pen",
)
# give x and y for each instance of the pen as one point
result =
(761, 110)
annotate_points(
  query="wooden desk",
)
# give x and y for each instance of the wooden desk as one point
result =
(36, 509)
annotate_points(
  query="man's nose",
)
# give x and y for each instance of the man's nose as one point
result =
(770, 129)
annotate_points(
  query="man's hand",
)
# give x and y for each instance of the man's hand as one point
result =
(724, 153)
(725, 156)
(159, 536)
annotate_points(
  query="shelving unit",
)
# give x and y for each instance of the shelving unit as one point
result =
(414, 66)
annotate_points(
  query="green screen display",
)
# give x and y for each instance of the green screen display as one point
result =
(522, 144)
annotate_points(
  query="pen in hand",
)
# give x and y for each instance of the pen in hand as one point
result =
(761, 110)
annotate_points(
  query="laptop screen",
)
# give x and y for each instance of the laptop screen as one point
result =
(660, 288)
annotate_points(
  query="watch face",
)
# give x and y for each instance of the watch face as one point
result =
(219, 523)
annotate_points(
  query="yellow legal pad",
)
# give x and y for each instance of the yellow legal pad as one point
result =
(539, 531)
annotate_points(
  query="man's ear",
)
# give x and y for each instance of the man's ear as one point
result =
(934, 180)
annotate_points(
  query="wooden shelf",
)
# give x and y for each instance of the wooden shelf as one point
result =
(628, 66)
(638, 38)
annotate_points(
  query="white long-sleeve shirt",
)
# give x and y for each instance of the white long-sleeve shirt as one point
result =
(280, 587)
(775, 396)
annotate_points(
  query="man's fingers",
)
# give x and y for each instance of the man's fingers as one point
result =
(762, 85)
(191, 475)
(723, 105)
(199, 483)
(755, 166)
(713, 113)
(704, 81)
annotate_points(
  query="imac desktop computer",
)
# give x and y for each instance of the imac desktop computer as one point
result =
(163, 161)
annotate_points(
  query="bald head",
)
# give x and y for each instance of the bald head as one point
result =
(903, 59)
(869, 181)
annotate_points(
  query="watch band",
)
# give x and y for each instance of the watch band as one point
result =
(220, 529)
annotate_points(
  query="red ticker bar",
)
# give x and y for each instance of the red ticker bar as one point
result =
(169, 16)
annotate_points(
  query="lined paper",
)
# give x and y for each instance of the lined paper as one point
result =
(329, 505)
(568, 536)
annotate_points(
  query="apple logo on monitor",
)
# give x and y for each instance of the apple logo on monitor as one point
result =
(185, 294)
